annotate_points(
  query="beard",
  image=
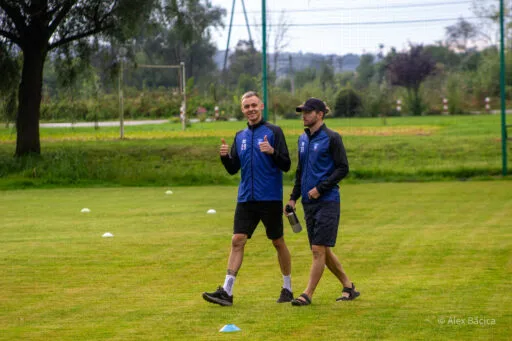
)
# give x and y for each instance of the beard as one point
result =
(310, 123)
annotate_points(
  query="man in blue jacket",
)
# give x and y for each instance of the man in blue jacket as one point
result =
(322, 164)
(260, 151)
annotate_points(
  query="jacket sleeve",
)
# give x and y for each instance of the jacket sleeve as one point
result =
(231, 162)
(296, 192)
(281, 156)
(339, 157)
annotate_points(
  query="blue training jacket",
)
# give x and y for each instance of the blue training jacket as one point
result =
(262, 174)
(322, 164)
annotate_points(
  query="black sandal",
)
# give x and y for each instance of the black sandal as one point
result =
(352, 294)
(306, 301)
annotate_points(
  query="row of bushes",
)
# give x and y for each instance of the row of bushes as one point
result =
(148, 105)
(160, 104)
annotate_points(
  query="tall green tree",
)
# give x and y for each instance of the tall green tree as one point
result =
(40, 26)
(245, 60)
(326, 75)
(190, 38)
(181, 33)
(365, 71)
(302, 77)
(442, 54)
(9, 69)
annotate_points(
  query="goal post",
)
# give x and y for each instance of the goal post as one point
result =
(183, 81)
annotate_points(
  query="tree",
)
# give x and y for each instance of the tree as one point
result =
(182, 33)
(245, 60)
(277, 36)
(9, 69)
(409, 70)
(305, 76)
(365, 71)
(348, 103)
(247, 83)
(189, 39)
(460, 34)
(488, 11)
(281, 40)
(38, 27)
(442, 54)
(326, 75)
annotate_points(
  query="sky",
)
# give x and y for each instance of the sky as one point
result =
(345, 26)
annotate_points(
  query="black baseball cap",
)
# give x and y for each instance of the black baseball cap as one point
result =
(311, 105)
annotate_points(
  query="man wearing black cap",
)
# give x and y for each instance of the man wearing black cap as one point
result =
(322, 165)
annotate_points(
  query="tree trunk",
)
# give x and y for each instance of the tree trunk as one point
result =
(29, 101)
(417, 103)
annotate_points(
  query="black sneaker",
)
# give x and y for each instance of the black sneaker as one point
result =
(218, 297)
(286, 296)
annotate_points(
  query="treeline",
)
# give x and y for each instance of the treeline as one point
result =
(426, 80)
(80, 83)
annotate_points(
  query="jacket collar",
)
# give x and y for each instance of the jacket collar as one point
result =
(308, 132)
(259, 124)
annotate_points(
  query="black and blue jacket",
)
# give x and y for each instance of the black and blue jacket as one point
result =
(262, 174)
(322, 164)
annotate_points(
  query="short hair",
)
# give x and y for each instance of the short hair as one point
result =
(249, 94)
(327, 109)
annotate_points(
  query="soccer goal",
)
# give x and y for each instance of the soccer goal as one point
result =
(183, 85)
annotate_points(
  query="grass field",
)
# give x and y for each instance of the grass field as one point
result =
(404, 149)
(432, 262)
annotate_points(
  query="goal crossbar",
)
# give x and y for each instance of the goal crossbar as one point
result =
(181, 68)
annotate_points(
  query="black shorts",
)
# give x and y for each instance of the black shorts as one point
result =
(249, 214)
(322, 220)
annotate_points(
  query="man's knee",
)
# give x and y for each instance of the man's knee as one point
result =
(318, 251)
(279, 243)
(238, 241)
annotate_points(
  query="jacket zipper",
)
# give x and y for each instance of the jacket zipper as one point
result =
(252, 168)
(306, 162)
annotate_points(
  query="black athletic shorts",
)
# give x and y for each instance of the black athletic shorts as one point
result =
(249, 214)
(322, 220)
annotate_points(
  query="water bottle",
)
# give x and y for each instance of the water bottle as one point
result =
(292, 218)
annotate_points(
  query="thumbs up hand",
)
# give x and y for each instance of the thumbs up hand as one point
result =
(265, 147)
(224, 148)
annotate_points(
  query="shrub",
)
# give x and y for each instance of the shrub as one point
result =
(378, 101)
(282, 103)
(455, 90)
(348, 104)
